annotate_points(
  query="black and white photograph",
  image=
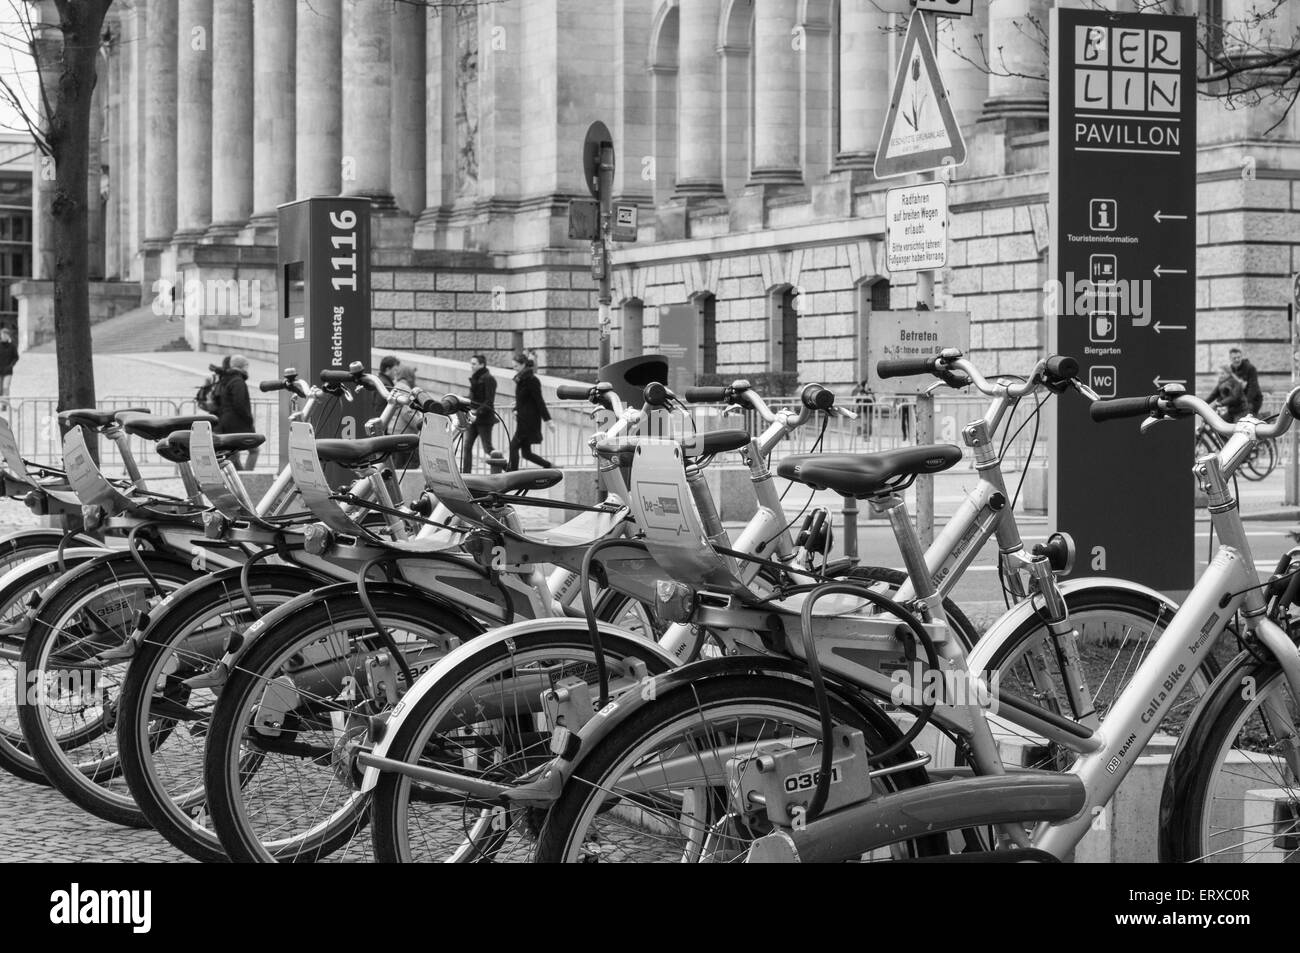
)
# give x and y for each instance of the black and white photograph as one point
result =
(651, 431)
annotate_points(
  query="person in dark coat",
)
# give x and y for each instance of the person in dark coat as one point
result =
(234, 409)
(530, 411)
(8, 358)
(1230, 394)
(1249, 377)
(482, 399)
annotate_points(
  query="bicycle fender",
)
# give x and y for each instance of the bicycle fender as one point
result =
(122, 557)
(1018, 614)
(624, 707)
(448, 663)
(54, 536)
(261, 626)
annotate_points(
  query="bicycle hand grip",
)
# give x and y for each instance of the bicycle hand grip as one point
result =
(817, 397)
(1120, 407)
(907, 367)
(1293, 404)
(657, 395)
(337, 377)
(268, 386)
(573, 392)
(1061, 368)
(705, 395)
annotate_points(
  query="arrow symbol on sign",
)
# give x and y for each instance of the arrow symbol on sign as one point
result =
(1161, 271)
(1169, 327)
(1161, 382)
(1168, 217)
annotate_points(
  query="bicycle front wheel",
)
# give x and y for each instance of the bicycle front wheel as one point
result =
(279, 770)
(656, 788)
(1230, 795)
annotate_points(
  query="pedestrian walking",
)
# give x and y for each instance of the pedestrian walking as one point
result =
(1245, 372)
(865, 401)
(234, 408)
(482, 402)
(386, 369)
(530, 411)
(8, 358)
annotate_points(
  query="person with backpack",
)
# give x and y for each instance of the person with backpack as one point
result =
(205, 398)
(234, 407)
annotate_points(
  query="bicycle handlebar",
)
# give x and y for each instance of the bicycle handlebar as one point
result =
(1182, 405)
(907, 367)
(574, 391)
(705, 395)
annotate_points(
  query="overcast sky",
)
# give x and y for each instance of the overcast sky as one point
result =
(15, 61)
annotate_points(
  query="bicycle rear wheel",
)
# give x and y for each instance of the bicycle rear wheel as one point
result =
(1230, 795)
(656, 788)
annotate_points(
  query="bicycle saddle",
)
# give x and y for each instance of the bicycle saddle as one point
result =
(156, 428)
(513, 482)
(176, 446)
(693, 445)
(356, 453)
(865, 474)
(90, 417)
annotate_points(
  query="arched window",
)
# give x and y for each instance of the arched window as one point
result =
(663, 105)
(707, 306)
(880, 295)
(633, 328)
(872, 296)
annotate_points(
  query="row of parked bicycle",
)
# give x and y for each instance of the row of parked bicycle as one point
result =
(334, 672)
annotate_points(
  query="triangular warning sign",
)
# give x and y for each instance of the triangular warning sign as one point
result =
(920, 131)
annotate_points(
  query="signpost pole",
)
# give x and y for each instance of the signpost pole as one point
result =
(606, 294)
(1292, 493)
(924, 422)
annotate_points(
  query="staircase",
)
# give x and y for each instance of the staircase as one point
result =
(138, 331)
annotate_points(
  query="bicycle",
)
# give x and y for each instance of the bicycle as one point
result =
(830, 812)
(410, 761)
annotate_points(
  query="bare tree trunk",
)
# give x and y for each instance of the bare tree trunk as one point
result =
(67, 133)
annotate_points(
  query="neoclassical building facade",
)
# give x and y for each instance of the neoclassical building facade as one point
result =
(745, 132)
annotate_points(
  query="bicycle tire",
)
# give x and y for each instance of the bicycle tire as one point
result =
(88, 785)
(165, 655)
(597, 772)
(1188, 808)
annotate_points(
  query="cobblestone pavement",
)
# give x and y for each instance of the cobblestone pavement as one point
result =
(38, 824)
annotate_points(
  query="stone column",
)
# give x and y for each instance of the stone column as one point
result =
(232, 118)
(408, 118)
(134, 22)
(776, 95)
(273, 113)
(699, 101)
(1016, 53)
(319, 100)
(193, 120)
(864, 82)
(160, 38)
(814, 50)
(367, 100)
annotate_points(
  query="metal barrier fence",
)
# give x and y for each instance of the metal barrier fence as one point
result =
(880, 425)
(34, 421)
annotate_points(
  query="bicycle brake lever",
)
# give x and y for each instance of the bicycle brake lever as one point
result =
(1085, 390)
(1151, 422)
(935, 386)
(732, 409)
